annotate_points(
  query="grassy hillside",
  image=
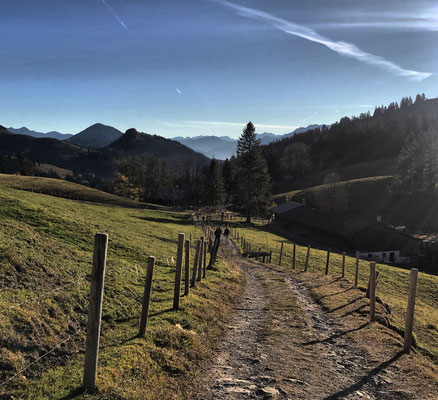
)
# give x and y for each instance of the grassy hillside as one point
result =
(356, 190)
(365, 169)
(370, 196)
(68, 190)
(392, 286)
(46, 248)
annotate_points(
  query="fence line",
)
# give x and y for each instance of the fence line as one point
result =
(372, 283)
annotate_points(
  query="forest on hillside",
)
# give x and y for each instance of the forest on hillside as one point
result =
(407, 130)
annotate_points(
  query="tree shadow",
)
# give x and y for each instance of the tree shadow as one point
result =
(364, 380)
(335, 336)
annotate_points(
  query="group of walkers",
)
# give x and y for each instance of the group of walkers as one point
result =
(206, 221)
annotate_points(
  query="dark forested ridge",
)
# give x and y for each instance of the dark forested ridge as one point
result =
(368, 137)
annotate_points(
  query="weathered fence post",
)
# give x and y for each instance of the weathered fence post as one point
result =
(343, 264)
(146, 296)
(270, 256)
(187, 268)
(281, 253)
(201, 253)
(95, 311)
(196, 262)
(372, 282)
(327, 262)
(204, 267)
(356, 273)
(409, 323)
(307, 258)
(178, 271)
(293, 256)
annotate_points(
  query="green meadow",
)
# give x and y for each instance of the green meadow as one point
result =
(46, 246)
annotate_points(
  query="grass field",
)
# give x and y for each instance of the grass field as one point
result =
(355, 188)
(68, 190)
(46, 243)
(392, 285)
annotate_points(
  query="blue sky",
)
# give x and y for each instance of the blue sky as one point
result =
(192, 67)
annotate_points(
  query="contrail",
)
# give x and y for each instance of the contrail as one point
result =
(116, 16)
(179, 91)
(343, 48)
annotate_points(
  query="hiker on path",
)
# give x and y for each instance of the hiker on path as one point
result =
(227, 235)
(215, 248)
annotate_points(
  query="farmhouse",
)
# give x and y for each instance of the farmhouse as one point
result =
(372, 239)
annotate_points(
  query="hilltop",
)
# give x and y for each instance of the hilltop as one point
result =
(96, 136)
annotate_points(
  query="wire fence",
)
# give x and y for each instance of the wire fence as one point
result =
(51, 350)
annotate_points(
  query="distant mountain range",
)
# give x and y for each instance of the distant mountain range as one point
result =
(222, 147)
(52, 134)
(74, 154)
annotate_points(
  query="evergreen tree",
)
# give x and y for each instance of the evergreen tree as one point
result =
(228, 180)
(215, 192)
(253, 184)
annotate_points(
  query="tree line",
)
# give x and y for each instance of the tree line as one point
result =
(241, 183)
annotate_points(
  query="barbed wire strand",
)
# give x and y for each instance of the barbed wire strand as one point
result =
(41, 357)
(56, 289)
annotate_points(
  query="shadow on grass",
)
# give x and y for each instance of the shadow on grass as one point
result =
(346, 304)
(74, 393)
(364, 380)
(333, 294)
(337, 335)
(323, 284)
(175, 219)
(356, 310)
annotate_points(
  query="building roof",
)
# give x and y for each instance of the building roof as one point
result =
(282, 208)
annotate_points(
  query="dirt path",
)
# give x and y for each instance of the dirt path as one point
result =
(281, 344)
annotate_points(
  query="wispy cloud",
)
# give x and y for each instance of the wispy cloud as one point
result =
(340, 47)
(116, 16)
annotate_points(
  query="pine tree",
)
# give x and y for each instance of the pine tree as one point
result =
(253, 184)
(215, 192)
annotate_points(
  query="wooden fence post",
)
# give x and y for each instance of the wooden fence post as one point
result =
(281, 253)
(307, 258)
(293, 256)
(270, 256)
(187, 268)
(343, 264)
(201, 253)
(204, 267)
(356, 274)
(327, 262)
(372, 282)
(95, 311)
(196, 262)
(146, 296)
(409, 323)
(178, 271)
